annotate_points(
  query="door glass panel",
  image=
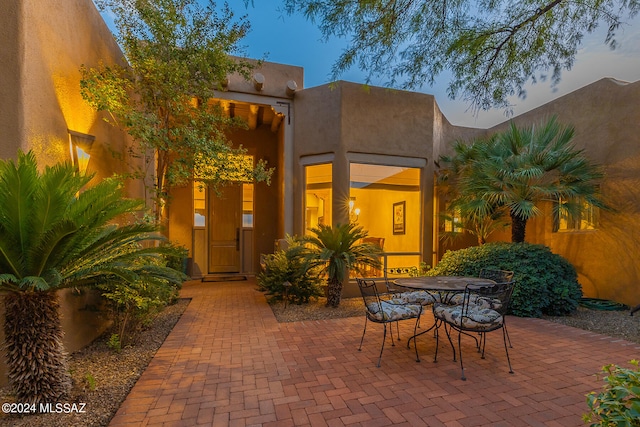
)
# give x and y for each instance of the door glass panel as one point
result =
(199, 205)
(247, 205)
(386, 201)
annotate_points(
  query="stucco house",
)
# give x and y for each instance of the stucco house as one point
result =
(341, 152)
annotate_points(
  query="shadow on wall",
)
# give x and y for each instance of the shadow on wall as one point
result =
(608, 258)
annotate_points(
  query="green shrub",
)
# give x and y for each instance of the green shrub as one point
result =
(134, 304)
(114, 343)
(90, 381)
(546, 283)
(288, 266)
(618, 404)
(177, 257)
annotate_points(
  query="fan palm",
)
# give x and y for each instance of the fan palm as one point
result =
(55, 236)
(336, 251)
(517, 169)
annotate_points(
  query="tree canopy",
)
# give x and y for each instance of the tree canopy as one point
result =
(177, 54)
(492, 48)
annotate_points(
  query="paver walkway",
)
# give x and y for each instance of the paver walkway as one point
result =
(228, 362)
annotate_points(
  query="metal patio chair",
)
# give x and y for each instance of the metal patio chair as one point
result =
(482, 311)
(498, 276)
(385, 311)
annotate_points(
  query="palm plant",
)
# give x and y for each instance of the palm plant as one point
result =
(518, 169)
(54, 235)
(336, 251)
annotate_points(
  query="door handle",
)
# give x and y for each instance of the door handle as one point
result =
(237, 239)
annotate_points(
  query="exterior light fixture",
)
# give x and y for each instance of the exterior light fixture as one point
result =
(80, 150)
(354, 212)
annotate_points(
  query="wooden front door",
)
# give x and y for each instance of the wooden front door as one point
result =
(225, 227)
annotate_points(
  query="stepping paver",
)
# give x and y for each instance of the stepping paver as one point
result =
(228, 362)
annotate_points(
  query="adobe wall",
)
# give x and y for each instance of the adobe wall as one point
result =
(605, 116)
(68, 34)
(10, 59)
(354, 122)
(44, 44)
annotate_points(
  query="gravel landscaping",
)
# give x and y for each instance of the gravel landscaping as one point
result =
(103, 378)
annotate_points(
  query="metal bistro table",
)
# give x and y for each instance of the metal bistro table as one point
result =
(444, 286)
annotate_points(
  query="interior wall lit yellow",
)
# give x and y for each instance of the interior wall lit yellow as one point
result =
(377, 194)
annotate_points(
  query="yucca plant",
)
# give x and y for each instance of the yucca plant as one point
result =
(55, 234)
(336, 251)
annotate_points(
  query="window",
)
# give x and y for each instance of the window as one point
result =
(318, 183)
(199, 204)
(451, 223)
(247, 205)
(587, 219)
(386, 201)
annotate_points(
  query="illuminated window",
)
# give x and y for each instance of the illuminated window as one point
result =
(451, 223)
(80, 147)
(318, 182)
(386, 202)
(586, 220)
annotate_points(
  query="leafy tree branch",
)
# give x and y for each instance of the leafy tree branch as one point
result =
(492, 48)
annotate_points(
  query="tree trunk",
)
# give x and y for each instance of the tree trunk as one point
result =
(334, 292)
(518, 227)
(36, 360)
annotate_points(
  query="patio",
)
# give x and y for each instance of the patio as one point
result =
(228, 362)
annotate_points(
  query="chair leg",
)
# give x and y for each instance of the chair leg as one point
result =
(507, 332)
(363, 332)
(415, 344)
(460, 351)
(437, 335)
(505, 336)
(453, 348)
(384, 337)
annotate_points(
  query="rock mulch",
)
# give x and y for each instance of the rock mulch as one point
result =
(102, 378)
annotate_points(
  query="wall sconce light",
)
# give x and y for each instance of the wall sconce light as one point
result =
(354, 212)
(80, 146)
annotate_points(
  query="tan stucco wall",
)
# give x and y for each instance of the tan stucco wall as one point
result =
(606, 117)
(276, 77)
(11, 53)
(348, 120)
(44, 44)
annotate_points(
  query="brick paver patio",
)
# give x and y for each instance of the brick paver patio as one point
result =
(228, 362)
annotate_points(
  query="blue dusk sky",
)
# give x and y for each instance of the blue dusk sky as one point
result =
(293, 40)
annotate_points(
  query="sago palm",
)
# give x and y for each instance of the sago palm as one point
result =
(338, 250)
(518, 169)
(54, 235)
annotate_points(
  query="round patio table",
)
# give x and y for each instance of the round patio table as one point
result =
(440, 283)
(445, 286)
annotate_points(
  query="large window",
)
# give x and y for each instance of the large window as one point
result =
(386, 201)
(318, 182)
